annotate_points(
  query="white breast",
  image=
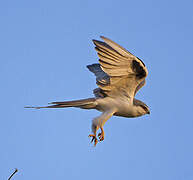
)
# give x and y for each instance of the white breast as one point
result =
(123, 107)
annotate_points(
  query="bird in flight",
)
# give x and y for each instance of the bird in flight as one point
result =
(119, 76)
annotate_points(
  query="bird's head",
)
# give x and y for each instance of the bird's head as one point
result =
(141, 107)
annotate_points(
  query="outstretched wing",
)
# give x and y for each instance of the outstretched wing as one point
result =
(119, 73)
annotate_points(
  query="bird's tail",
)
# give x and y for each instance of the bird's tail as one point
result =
(89, 103)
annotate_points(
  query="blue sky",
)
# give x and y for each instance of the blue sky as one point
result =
(45, 46)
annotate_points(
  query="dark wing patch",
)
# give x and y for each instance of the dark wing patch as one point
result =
(138, 69)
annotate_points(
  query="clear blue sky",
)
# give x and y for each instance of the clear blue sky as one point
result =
(44, 49)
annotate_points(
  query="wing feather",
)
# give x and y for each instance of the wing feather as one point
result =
(108, 60)
(104, 53)
(119, 73)
(117, 47)
(106, 48)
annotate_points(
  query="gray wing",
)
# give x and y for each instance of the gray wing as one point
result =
(119, 73)
(102, 79)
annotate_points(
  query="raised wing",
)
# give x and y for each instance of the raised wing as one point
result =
(120, 73)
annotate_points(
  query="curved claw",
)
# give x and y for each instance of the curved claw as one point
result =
(93, 139)
(101, 136)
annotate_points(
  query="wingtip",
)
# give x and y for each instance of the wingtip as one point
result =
(104, 38)
(88, 67)
(94, 41)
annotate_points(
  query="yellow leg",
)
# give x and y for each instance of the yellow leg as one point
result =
(94, 138)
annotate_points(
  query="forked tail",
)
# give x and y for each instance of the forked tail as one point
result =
(89, 103)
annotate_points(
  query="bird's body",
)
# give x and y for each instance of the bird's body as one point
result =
(119, 75)
(123, 107)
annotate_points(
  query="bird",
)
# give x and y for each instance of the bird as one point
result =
(119, 76)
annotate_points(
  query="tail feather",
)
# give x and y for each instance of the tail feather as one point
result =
(40, 107)
(89, 103)
(74, 103)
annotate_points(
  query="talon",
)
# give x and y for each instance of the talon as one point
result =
(101, 135)
(93, 139)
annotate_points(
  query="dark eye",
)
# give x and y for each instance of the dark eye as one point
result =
(145, 108)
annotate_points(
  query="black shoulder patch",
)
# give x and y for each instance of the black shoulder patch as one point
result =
(138, 69)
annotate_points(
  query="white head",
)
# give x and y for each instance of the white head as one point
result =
(141, 107)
